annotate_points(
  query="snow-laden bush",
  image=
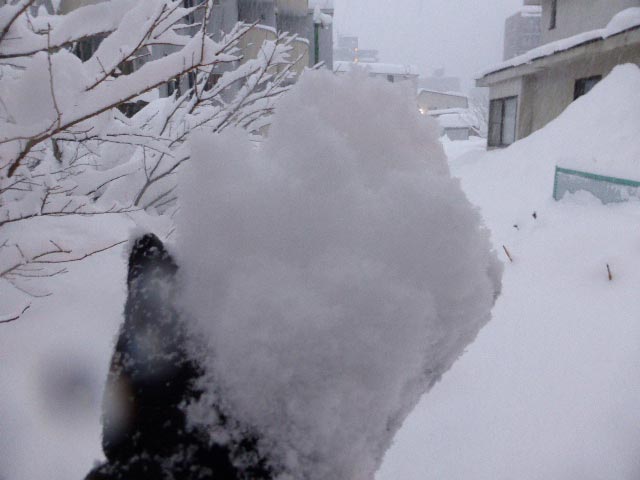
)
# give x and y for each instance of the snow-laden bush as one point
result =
(65, 147)
(336, 271)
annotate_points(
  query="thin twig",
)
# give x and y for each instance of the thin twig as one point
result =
(508, 254)
(15, 317)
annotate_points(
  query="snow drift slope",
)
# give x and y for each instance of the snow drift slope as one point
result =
(550, 388)
(597, 133)
(337, 271)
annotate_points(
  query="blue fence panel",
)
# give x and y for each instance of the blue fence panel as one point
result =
(607, 189)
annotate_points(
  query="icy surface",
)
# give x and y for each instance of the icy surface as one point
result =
(624, 20)
(337, 271)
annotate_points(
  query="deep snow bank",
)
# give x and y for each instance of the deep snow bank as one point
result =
(550, 387)
(597, 133)
(337, 271)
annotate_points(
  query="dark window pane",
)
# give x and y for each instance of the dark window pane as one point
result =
(584, 85)
(509, 120)
(495, 122)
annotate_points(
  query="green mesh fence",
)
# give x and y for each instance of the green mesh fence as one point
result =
(607, 189)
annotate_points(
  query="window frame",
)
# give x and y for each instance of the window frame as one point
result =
(501, 103)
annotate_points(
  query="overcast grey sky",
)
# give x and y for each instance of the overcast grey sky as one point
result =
(464, 36)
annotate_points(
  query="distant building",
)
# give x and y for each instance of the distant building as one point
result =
(429, 100)
(455, 123)
(522, 30)
(348, 50)
(440, 82)
(450, 110)
(391, 72)
(582, 42)
(271, 16)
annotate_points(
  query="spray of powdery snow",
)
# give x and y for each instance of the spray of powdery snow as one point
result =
(336, 271)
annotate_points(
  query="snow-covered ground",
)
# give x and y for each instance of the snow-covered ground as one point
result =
(550, 388)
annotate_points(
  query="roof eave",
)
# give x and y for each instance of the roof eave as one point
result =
(620, 39)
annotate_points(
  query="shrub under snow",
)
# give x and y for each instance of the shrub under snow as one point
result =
(336, 271)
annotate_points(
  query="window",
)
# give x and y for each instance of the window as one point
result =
(554, 14)
(584, 85)
(84, 49)
(191, 79)
(189, 4)
(502, 121)
(173, 85)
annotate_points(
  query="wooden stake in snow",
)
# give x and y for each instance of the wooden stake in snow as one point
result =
(508, 254)
(609, 272)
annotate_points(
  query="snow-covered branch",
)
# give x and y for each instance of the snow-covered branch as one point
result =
(67, 148)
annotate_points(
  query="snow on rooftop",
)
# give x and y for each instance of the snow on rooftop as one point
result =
(377, 68)
(454, 120)
(450, 93)
(624, 20)
(444, 111)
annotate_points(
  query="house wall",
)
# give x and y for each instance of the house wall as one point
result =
(223, 18)
(549, 92)
(438, 101)
(508, 88)
(576, 16)
(67, 6)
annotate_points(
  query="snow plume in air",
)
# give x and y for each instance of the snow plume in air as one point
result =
(336, 271)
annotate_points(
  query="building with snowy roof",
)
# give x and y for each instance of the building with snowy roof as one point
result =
(348, 50)
(455, 123)
(439, 81)
(429, 100)
(392, 72)
(582, 43)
